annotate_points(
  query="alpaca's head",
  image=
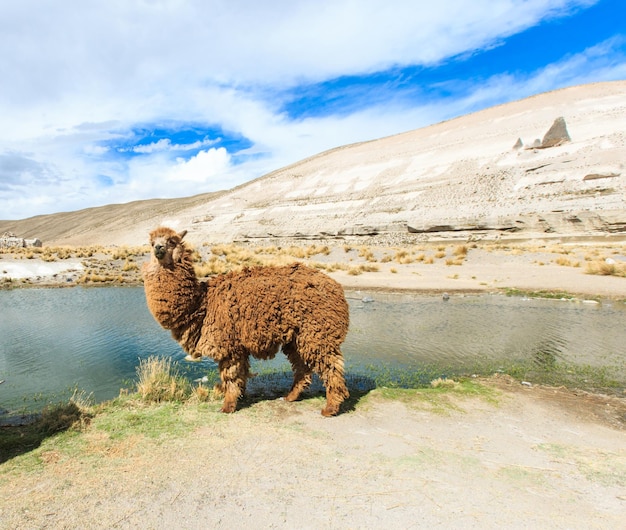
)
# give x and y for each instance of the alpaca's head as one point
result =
(167, 246)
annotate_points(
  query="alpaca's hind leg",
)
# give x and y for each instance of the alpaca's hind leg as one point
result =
(302, 374)
(234, 373)
(331, 373)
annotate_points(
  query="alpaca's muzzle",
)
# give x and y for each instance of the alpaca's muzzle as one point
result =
(159, 251)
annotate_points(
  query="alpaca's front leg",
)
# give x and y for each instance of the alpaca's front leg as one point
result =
(234, 374)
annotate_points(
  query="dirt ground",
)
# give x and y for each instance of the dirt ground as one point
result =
(532, 458)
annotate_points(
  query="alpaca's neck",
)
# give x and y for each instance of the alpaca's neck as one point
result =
(173, 294)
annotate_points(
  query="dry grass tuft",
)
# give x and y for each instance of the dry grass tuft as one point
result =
(201, 394)
(604, 268)
(566, 262)
(443, 382)
(366, 254)
(75, 414)
(159, 381)
(403, 257)
(461, 251)
(130, 265)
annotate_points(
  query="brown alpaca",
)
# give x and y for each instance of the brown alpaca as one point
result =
(252, 312)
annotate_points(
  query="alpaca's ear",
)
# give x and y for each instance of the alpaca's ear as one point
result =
(182, 234)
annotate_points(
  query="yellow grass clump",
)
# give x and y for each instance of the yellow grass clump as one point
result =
(606, 268)
(566, 262)
(443, 382)
(130, 265)
(159, 381)
(461, 251)
(201, 394)
(366, 254)
(406, 257)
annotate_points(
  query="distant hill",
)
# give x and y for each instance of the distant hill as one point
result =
(501, 171)
(113, 224)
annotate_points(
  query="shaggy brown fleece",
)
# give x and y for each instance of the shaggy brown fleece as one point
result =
(252, 312)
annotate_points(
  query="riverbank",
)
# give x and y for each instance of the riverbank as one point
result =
(489, 455)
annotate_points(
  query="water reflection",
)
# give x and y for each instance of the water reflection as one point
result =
(52, 340)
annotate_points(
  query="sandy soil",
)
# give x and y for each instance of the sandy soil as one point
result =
(489, 271)
(535, 458)
(530, 266)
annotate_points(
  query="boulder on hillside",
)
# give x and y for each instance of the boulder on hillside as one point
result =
(10, 240)
(556, 135)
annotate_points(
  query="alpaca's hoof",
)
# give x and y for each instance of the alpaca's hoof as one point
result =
(330, 411)
(228, 408)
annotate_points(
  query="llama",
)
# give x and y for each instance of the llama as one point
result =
(253, 312)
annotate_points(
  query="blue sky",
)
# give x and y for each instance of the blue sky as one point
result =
(108, 102)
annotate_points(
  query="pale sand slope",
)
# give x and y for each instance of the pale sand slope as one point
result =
(539, 458)
(463, 173)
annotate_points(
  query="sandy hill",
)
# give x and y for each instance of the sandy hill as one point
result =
(491, 173)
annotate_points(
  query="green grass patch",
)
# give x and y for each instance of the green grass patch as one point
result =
(586, 377)
(442, 396)
(550, 295)
(130, 416)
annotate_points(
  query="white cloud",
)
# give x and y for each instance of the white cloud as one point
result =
(95, 150)
(202, 168)
(76, 61)
(164, 144)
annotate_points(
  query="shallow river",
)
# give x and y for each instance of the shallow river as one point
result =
(54, 340)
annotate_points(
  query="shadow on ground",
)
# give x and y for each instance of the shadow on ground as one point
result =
(24, 434)
(276, 384)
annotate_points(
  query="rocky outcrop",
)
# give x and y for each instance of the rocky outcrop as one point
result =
(556, 135)
(10, 240)
(535, 224)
